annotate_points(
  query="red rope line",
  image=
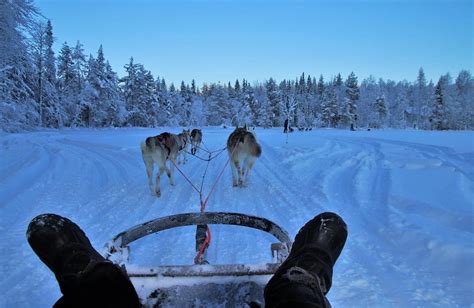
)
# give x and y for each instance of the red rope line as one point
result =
(207, 241)
(204, 245)
(203, 205)
(187, 179)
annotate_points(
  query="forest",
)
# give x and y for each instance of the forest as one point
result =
(41, 88)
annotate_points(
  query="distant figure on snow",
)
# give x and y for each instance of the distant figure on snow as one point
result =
(285, 130)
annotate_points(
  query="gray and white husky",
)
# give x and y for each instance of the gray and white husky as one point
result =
(196, 139)
(243, 151)
(159, 149)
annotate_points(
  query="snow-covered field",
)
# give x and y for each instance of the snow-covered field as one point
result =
(407, 197)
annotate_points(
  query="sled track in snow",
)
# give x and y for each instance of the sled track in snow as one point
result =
(405, 247)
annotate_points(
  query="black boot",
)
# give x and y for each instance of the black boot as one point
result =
(85, 278)
(306, 275)
(62, 246)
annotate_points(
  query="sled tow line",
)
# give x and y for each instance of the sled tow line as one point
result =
(207, 240)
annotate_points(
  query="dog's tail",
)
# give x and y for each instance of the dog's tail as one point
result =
(150, 144)
(254, 148)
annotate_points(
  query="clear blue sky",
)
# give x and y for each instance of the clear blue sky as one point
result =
(213, 41)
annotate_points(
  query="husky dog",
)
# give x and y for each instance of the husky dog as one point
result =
(159, 149)
(196, 139)
(242, 147)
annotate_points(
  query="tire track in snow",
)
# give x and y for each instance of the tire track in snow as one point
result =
(368, 242)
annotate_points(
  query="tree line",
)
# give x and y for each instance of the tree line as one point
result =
(41, 89)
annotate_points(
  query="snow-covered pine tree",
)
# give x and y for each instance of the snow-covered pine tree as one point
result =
(186, 102)
(241, 113)
(17, 105)
(50, 111)
(464, 96)
(320, 87)
(165, 105)
(67, 85)
(37, 52)
(419, 102)
(438, 117)
(115, 112)
(288, 101)
(218, 109)
(65, 66)
(330, 110)
(273, 99)
(311, 109)
(339, 91)
(263, 107)
(91, 109)
(352, 92)
(248, 98)
(141, 102)
(381, 110)
(369, 91)
(100, 92)
(197, 117)
(79, 60)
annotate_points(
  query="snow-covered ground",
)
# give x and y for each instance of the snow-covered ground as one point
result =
(407, 197)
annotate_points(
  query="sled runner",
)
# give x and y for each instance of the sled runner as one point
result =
(200, 285)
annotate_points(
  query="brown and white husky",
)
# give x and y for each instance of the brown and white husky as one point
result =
(196, 139)
(159, 149)
(243, 149)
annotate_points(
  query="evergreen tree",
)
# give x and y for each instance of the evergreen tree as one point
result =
(263, 107)
(50, 113)
(438, 118)
(67, 86)
(338, 81)
(141, 102)
(419, 102)
(309, 84)
(100, 93)
(17, 104)
(65, 66)
(320, 87)
(193, 87)
(464, 93)
(329, 108)
(273, 100)
(237, 87)
(50, 60)
(218, 108)
(79, 60)
(381, 110)
(352, 92)
(248, 98)
(301, 85)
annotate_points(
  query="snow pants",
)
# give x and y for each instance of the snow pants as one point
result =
(101, 284)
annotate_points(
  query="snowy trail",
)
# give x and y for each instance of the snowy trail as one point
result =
(407, 197)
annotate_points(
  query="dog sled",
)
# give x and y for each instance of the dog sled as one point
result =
(200, 284)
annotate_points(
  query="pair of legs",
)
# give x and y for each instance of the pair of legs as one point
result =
(86, 279)
(241, 170)
(160, 160)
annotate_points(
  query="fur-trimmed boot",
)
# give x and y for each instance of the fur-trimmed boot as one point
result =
(305, 276)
